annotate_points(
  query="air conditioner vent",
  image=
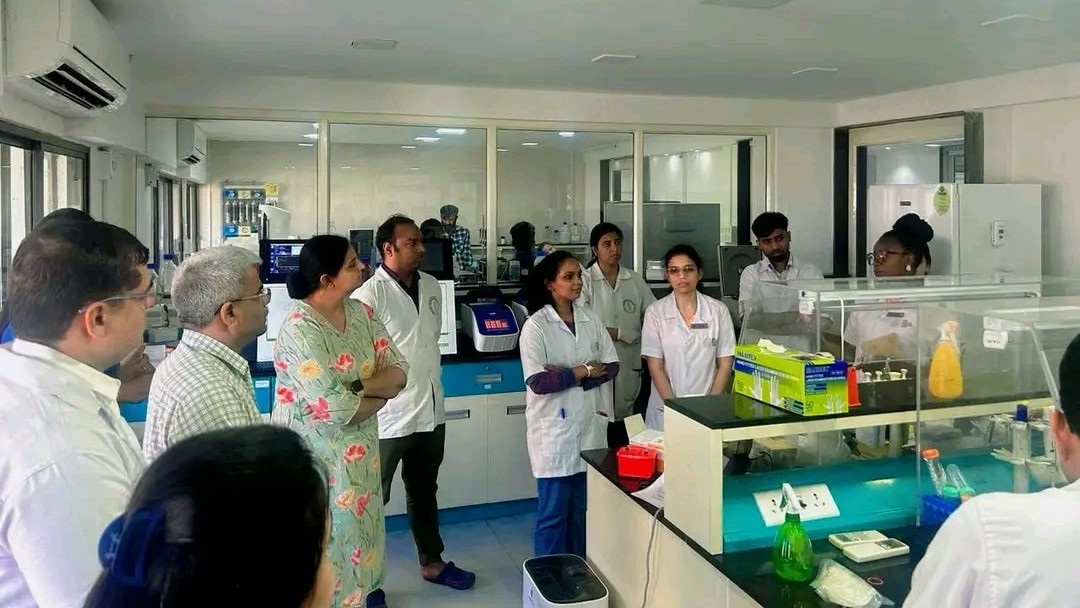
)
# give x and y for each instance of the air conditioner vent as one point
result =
(67, 82)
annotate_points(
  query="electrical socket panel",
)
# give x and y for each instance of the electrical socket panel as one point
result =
(816, 502)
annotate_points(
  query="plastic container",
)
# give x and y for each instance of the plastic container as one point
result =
(636, 462)
(852, 386)
(937, 474)
(793, 552)
(946, 380)
(936, 509)
(956, 480)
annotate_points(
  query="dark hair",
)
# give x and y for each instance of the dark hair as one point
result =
(321, 255)
(914, 235)
(1069, 384)
(767, 223)
(384, 234)
(597, 233)
(240, 521)
(431, 228)
(523, 236)
(688, 251)
(64, 265)
(536, 291)
(66, 213)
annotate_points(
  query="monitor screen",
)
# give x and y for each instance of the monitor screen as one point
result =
(279, 258)
(438, 258)
(280, 306)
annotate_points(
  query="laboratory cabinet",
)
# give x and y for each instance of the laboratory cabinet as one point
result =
(509, 470)
(486, 458)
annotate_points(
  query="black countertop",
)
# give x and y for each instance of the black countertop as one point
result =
(731, 411)
(752, 570)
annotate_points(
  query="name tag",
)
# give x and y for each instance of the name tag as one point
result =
(699, 325)
(895, 314)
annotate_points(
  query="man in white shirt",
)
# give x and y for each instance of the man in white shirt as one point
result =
(205, 384)
(1003, 550)
(412, 426)
(78, 297)
(778, 264)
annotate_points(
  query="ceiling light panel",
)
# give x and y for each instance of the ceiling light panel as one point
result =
(448, 131)
(613, 58)
(761, 5)
(428, 140)
(373, 44)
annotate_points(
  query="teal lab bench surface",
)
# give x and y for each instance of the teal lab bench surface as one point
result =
(460, 379)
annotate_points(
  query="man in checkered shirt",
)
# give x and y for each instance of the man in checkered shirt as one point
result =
(205, 384)
(459, 237)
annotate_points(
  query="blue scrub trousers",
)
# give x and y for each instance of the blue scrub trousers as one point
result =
(560, 516)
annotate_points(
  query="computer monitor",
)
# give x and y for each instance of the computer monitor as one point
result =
(280, 306)
(438, 259)
(279, 258)
(363, 241)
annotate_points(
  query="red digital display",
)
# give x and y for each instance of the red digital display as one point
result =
(496, 324)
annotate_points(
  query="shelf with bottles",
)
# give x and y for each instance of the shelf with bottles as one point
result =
(509, 247)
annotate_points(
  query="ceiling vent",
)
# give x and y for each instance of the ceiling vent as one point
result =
(761, 5)
(63, 55)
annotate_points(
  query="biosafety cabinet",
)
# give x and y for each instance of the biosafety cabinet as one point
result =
(727, 456)
(1011, 350)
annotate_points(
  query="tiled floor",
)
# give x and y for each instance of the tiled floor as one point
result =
(494, 549)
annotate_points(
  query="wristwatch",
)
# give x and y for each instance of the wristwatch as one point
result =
(588, 370)
(357, 386)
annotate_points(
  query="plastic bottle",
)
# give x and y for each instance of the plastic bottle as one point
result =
(565, 233)
(956, 480)
(946, 380)
(937, 474)
(793, 553)
(575, 233)
(155, 283)
(168, 271)
(557, 237)
(547, 234)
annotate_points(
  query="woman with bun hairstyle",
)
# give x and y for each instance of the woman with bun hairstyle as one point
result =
(189, 537)
(336, 367)
(903, 251)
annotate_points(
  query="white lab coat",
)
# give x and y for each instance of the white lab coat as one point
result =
(68, 462)
(555, 441)
(1004, 551)
(755, 290)
(689, 353)
(419, 407)
(622, 307)
(865, 325)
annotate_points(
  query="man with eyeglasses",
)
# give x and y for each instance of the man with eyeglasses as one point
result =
(79, 292)
(205, 384)
(777, 264)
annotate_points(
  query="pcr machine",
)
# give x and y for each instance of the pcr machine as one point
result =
(490, 321)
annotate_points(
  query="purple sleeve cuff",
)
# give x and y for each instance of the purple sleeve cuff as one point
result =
(547, 382)
(610, 371)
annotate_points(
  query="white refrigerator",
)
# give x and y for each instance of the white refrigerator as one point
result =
(978, 228)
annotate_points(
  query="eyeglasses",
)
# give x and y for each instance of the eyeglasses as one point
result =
(264, 293)
(876, 258)
(681, 270)
(149, 298)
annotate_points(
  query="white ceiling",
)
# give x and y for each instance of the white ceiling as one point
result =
(685, 47)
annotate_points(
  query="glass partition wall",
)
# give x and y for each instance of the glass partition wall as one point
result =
(279, 179)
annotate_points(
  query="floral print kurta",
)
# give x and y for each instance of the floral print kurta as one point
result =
(315, 365)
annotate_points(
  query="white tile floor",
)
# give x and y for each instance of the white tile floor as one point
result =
(494, 549)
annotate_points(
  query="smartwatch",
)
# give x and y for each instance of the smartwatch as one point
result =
(357, 386)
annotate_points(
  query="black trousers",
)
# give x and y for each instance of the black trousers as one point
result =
(420, 455)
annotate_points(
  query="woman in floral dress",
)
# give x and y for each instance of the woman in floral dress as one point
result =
(336, 367)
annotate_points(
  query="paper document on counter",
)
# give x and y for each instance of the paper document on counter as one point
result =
(653, 494)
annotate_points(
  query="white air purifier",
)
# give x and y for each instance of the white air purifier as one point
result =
(561, 581)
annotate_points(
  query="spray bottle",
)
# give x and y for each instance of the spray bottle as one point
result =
(946, 381)
(792, 554)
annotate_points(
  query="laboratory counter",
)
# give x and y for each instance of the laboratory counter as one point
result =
(740, 579)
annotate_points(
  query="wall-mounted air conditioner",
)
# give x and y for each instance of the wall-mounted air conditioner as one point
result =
(190, 142)
(62, 55)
